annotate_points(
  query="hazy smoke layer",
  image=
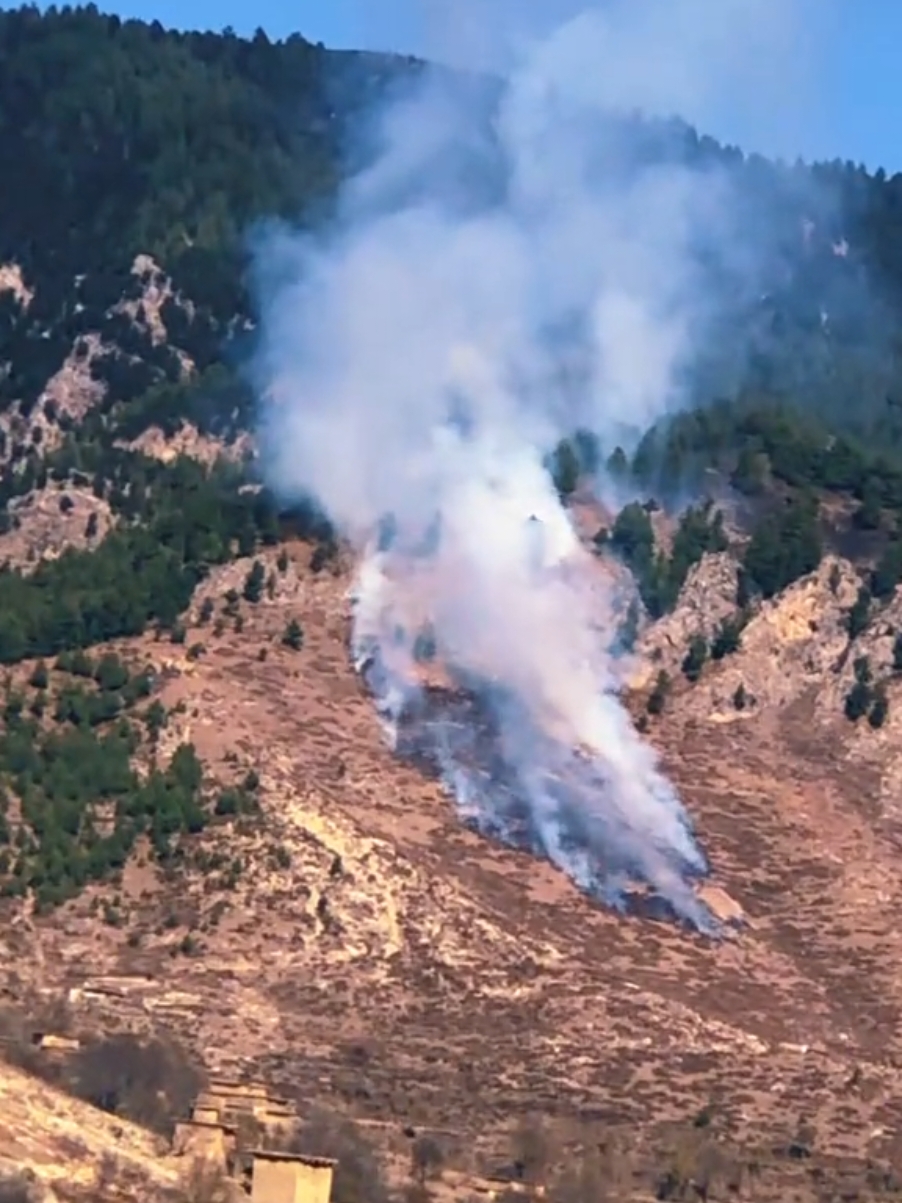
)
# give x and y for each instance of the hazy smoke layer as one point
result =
(422, 360)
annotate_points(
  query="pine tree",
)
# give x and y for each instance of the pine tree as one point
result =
(657, 699)
(293, 636)
(695, 658)
(254, 582)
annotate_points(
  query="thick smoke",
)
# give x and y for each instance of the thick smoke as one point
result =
(421, 360)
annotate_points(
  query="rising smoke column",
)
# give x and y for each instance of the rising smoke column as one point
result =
(411, 360)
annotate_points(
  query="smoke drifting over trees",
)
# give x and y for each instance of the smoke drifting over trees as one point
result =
(426, 355)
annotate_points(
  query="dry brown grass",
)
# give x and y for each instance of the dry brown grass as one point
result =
(373, 956)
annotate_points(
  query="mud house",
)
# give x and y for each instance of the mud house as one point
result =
(218, 1128)
(235, 1103)
(277, 1177)
(205, 1140)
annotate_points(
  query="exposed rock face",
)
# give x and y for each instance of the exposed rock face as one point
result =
(706, 601)
(794, 650)
(47, 521)
(157, 289)
(73, 391)
(147, 311)
(189, 441)
(794, 643)
(12, 280)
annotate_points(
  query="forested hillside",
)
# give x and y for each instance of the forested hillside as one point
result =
(141, 159)
(125, 139)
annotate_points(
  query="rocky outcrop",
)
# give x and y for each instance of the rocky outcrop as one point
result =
(147, 310)
(706, 601)
(72, 391)
(189, 441)
(795, 642)
(12, 280)
(47, 521)
(794, 647)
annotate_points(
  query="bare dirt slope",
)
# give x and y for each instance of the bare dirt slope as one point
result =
(374, 953)
(67, 1149)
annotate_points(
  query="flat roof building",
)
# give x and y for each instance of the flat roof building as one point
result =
(290, 1177)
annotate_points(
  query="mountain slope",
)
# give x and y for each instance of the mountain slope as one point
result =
(203, 831)
(58, 1144)
(359, 887)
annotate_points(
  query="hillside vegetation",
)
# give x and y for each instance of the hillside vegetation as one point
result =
(157, 663)
(144, 158)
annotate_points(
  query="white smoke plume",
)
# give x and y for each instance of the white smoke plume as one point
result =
(412, 361)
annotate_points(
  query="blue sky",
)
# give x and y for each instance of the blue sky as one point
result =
(859, 110)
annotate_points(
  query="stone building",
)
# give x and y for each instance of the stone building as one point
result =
(225, 1115)
(277, 1177)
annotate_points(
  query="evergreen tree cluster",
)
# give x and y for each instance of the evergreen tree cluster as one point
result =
(866, 697)
(66, 749)
(176, 521)
(126, 138)
(659, 576)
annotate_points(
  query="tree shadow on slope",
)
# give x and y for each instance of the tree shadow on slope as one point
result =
(152, 1083)
(360, 1173)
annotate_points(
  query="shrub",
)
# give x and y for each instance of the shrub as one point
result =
(879, 711)
(111, 673)
(657, 699)
(858, 616)
(233, 801)
(153, 1083)
(324, 553)
(40, 677)
(293, 636)
(81, 665)
(426, 1158)
(254, 582)
(729, 638)
(533, 1149)
(694, 660)
(359, 1174)
(858, 699)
